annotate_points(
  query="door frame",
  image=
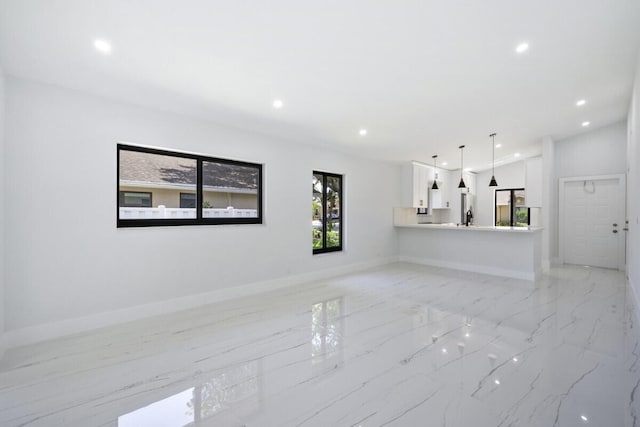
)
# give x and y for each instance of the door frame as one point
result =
(622, 182)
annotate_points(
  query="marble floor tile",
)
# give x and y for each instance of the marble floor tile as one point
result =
(398, 345)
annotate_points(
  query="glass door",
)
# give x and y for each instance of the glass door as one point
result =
(510, 209)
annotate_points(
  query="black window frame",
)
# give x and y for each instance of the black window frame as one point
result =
(199, 220)
(324, 249)
(512, 205)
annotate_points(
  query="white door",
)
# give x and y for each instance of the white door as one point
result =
(592, 221)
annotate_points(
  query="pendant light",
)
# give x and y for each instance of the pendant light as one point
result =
(461, 185)
(435, 172)
(493, 182)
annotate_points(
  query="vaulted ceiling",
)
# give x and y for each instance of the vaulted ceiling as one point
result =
(422, 77)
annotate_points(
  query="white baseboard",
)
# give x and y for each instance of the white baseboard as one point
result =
(514, 274)
(38, 333)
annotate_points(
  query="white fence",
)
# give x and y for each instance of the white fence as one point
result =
(162, 212)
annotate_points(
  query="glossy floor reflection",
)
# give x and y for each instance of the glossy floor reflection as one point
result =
(400, 345)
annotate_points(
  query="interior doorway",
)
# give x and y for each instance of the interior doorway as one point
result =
(591, 221)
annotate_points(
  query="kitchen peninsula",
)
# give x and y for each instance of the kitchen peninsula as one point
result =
(503, 251)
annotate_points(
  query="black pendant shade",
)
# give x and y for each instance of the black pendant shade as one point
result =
(493, 182)
(462, 184)
(435, 172)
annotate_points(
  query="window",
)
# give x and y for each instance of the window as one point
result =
(135, 199)
(510, 208)
(159, 187)
(326, 217)
(187, 200)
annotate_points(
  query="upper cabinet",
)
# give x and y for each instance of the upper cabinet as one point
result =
(420, 186)
(440, 198)
(417, 180)
(470, 181)
(533, 182)
(415, 185)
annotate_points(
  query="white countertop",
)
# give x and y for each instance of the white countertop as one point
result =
(451, 226)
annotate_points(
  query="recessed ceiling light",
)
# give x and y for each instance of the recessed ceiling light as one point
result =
(444, 163)
(444, 351)
(362, 132)
(278, 103)
(517, 155)
(585, 124)
(581, 102)
(515, 360)
(496, 381)
(584, 418)
(498, 145)
(102, 46)
(522, 47)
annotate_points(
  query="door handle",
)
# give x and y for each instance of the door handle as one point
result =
(615, 225)
(615, 231)
(625, 229)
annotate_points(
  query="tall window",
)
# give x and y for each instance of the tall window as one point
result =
(510, 208)
(160, 187)
(326, 217)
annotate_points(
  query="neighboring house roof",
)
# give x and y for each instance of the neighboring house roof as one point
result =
(138, 168)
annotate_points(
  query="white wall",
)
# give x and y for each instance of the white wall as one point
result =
(2, 192)
(601, 151)
(508, 176)
(633, 189)
(549, 220)
(68, 259)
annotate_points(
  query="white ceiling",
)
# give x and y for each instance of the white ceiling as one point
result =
(421, 76)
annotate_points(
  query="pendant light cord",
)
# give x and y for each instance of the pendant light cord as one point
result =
(493, 182)
(435, 172)
(493, 154)
(462, 184)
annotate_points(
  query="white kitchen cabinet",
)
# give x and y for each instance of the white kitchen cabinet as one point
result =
(415, 185)
(472, 190)
(456, 215)
(533, 182)
(470, 181)
(440, 198)
(420, 186)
